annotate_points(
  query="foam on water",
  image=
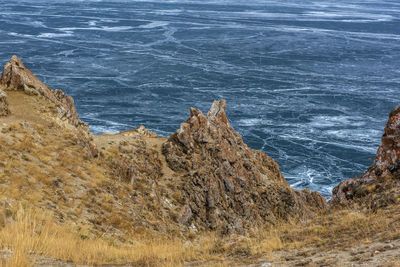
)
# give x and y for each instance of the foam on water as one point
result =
(308, 82)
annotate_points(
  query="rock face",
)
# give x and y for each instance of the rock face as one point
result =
(383, 173)
(4, 111)
(16, 77)
(228, 186)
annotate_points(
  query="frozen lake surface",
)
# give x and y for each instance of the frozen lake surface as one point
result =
(310, 83)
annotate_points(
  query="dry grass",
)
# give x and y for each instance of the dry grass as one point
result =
(338, 229)
(31, 233)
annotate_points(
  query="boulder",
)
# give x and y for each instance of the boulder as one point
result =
(227, 186)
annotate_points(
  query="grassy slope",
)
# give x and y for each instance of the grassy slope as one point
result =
(57, 202)
(339, 238)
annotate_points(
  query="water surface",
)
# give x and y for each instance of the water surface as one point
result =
(308, 82)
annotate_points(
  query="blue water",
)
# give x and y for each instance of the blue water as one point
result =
(308, 82)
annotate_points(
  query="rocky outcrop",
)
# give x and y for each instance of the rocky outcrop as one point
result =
(228, 186)
(382, 176)
(16, 77)
(4, 111)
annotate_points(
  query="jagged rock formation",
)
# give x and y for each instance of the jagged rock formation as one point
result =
(378, 185)
(226, 185)
(16, 77)
(4, 111)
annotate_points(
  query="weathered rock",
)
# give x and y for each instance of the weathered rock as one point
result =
(381, 173)
(16, 77)
(227, 185)
(134, 159)
(4, 111)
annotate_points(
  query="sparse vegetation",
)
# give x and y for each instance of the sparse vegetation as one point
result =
(29, 235)
(32, 234)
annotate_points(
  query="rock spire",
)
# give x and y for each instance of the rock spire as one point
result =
(227, 185)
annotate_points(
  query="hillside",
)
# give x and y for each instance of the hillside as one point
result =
(201, 196)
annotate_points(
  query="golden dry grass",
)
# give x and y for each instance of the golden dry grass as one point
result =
(31, 233)
(342, 228)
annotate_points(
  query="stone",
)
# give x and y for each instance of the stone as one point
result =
(4, 110)
(227, 186)
(185, 214)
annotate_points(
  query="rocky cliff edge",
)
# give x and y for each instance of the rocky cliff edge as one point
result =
(16, 77)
